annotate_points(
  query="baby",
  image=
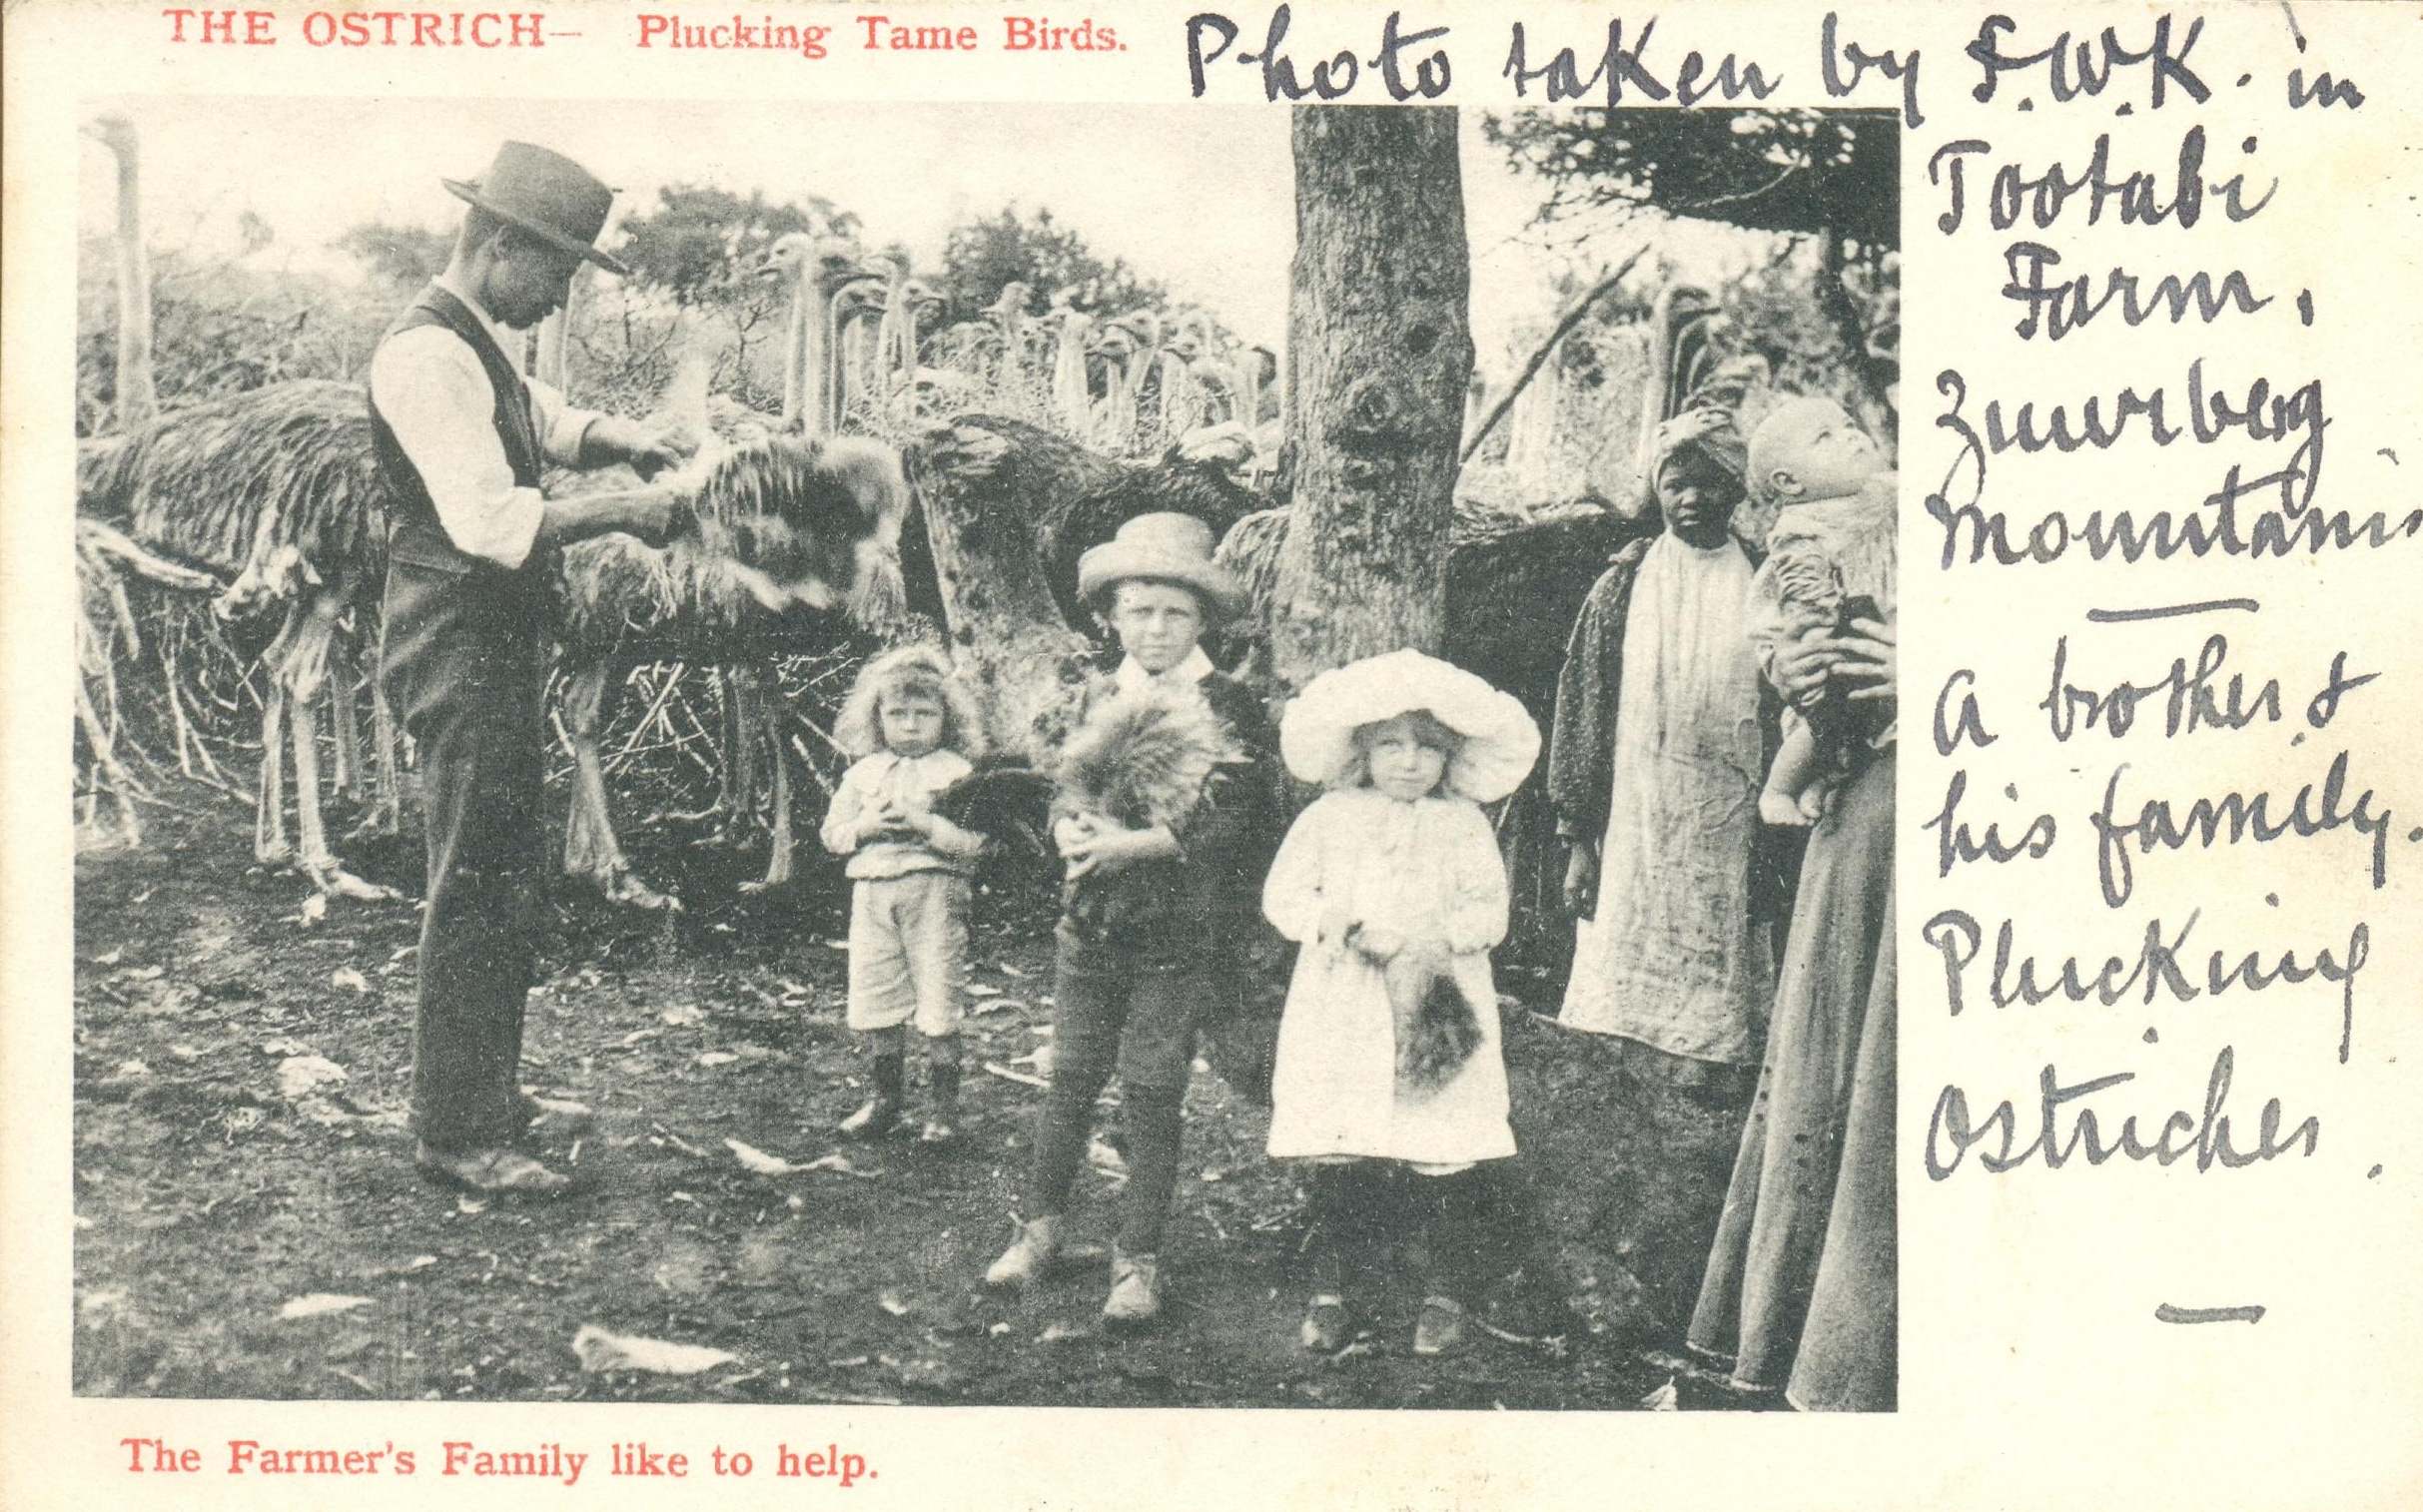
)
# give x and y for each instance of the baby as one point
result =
(1831, 566)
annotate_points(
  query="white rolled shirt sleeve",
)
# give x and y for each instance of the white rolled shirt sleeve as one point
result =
(435, 395)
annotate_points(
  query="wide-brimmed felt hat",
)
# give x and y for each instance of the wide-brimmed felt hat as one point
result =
(1500, 740)
(548, 194)
(1167, 547)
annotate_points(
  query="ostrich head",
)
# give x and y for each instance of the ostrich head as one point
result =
(111, 131)
(799, 521)
(1187, 341)
(821, 263)
(923, 300)
(1010, 310)
(857, 300)
(1114, 343)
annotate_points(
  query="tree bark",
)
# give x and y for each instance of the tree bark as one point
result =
(1379, 335)
(1005, 629)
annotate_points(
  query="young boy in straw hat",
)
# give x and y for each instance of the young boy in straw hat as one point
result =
(1388, 1059)
(1158, 897)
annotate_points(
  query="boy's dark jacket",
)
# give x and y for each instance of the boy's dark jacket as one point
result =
(1194, 909)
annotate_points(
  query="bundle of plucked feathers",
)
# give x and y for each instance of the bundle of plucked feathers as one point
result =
(1437, 1028)
(1139, 759)
(1142, 758)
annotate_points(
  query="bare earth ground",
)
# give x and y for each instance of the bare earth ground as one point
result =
(208, 1196)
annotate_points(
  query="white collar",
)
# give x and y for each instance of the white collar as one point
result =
(497, 334)
(1131, 676)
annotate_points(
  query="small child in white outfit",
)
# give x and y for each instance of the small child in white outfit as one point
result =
(1389, 1078)
(915, 730)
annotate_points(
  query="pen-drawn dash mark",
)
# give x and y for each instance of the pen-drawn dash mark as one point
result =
(2392, 455)
(2170, 611)
(2168, 1315)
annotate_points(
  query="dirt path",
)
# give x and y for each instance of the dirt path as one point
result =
(217, 1182)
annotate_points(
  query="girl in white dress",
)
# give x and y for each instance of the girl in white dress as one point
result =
(1389, 1070)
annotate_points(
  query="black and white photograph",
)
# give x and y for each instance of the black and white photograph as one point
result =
(939, 754)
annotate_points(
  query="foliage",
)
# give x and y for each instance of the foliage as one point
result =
(982, 255)
(220, 325)
(700, 244)
(398, 258)
(1793, 171)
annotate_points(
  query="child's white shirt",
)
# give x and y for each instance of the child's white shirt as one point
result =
(907, 782)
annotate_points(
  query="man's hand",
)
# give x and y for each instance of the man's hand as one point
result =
(649, 446)
(1867, 660)
(1800, 664)
(660, 446)
(650, 514)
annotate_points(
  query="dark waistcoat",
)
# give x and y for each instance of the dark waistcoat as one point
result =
(416, 535)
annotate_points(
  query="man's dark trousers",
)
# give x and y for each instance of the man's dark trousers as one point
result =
(467, 663)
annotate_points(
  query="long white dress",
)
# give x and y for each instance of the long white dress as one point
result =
(1672, 958)
(1427, 869)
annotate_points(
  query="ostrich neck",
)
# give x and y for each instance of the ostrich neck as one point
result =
(795, 361)
(137, 401)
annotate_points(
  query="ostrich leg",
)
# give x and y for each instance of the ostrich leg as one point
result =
(270, 845)
(744, 717)
(345, 712)
(766, 705)
(304, 670)
(591, 849)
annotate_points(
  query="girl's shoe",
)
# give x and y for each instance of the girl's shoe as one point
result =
(1440, 1329)
(1328, 1327)
(1029, 1255)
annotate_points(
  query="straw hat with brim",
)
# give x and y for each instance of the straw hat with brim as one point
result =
(1168, 548)
(1316, 736)
(548, 194)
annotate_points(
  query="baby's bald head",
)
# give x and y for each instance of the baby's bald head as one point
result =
(1809, 449)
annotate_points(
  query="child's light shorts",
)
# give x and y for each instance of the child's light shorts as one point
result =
(908, 949)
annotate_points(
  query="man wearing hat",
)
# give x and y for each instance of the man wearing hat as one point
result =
(1134, 981)
(461, 438)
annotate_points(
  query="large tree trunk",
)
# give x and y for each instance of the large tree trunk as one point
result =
(1380, 341)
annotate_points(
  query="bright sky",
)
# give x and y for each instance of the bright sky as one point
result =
(1200, 197)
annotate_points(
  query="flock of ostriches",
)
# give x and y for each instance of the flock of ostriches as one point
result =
(270, 502)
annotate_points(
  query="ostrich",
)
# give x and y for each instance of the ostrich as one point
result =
(790, 529)
(1072, 393)
(137, 401)
(276, 494)
(1118, 345)
(1007, 315)
(1182, 396)
(913, 301)
(815, 267)
(859, 309)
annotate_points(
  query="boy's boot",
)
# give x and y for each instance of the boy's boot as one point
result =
(942, 1082)
(880, 1114)
(1029, 1255)
(1134, 1287)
